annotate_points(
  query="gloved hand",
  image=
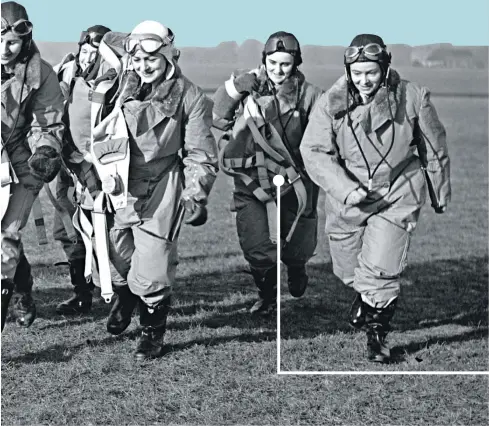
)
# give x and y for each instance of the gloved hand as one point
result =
(246, 83)
(197, 212)
(45, 163)
(440, 209)
(356, 197)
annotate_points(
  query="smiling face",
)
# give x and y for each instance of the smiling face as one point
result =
(150, 67)
(279, 66)
(87, 55)
(366, 76)
(11, 48)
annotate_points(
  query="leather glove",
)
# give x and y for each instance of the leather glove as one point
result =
(440, 209)
(356, 197)
(246, 83)
(197, 212)
(45, 163)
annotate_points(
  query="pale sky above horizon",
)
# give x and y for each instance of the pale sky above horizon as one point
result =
(207, 23)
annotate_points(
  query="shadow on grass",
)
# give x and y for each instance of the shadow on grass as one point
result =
(192, 294)
(46, 300)
(61, 353)
(441, 292)
(399, 353)
(220, 296)
(207, 257)
(451, 291)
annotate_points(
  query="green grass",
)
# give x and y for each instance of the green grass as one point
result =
(220, 363)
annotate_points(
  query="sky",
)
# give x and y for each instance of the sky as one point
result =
(206, 23)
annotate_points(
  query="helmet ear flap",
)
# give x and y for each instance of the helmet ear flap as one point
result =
(298, 59)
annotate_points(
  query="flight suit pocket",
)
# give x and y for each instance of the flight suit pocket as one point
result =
(385, 248)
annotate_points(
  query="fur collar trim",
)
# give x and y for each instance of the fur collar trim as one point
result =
(166, 98)
(384, 101)
(31, 70)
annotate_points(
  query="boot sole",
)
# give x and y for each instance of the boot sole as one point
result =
(381, 359)
(297, 292)
(26, 320)
(23, 323)
(142, 356)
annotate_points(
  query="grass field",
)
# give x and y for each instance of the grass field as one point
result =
(220, 366)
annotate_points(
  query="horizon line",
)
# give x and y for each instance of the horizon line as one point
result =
(302, 45)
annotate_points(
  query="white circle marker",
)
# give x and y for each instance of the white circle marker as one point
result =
(278, 180)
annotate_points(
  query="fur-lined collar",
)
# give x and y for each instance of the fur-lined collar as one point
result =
(288, 94)
(166, 98)
(32, 72)
(379, 111)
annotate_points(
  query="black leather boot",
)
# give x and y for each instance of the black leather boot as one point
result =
(24, 308)
(297, 280)
(267, 291)
(121, 313)
(81, 301)
(377, 324)
(7, 291)
(153, 323)
(358, 312)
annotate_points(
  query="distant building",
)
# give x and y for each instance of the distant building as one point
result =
(446, 57)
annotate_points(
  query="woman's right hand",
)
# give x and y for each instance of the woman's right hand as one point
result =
(356, 197)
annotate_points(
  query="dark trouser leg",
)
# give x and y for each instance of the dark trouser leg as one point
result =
(299, 249)
(121, 249)
(258, 250)
(266, 281)
(15, 266)
(121, 313)
(81, 301)
(7, 291)
(153, 328)
(303, 242)
(24, 307)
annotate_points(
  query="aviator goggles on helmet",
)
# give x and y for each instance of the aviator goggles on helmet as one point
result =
(21, 28)
(371, 51)
(148, 43)
(92, 38)
(281, 43)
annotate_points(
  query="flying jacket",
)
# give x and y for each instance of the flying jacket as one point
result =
(37, 117)
(334, 160)
(177, 117)
(296, 98)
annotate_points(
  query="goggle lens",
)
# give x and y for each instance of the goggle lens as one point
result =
(21, 27)
(147, 45)
(282, 43)
(93, 39)
(372, 51)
